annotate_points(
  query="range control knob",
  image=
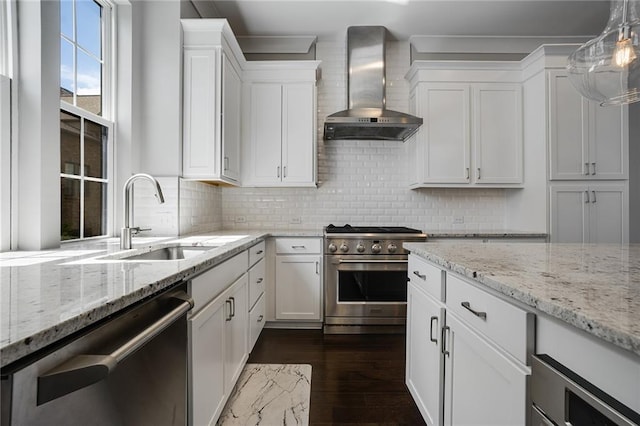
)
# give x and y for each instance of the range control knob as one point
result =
(392, 248)
(360, 247)
(344, 247)
(332, 248)
(376, 248)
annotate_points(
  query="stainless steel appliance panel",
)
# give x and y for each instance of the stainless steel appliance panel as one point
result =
(561, 396)
(132, 370)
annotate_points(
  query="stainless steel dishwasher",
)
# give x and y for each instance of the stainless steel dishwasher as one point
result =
(130, 370)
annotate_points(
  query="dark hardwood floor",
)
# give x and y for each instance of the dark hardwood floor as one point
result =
(356, 379)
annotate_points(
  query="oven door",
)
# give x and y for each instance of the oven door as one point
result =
(365, 289)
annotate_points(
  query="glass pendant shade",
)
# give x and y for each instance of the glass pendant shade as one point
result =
(607, 68)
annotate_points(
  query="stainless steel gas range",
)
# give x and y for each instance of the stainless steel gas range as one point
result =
(365, 279)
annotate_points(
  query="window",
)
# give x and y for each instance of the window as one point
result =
(85, 130)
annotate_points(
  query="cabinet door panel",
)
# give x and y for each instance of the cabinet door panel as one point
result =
(425, 367)
(445, 132)
(206, 363)
(298, 133)
(569, 214)
(497, 133)
(231, 95)
(236, 329)
(298, 287)
(606, 215)
(482, 386)
(608, 144)
(266, 132)
(568, 128)
(201, 120)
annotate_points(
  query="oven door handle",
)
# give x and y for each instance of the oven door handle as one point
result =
(371, 261)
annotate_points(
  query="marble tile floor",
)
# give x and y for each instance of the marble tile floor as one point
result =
(270, 394)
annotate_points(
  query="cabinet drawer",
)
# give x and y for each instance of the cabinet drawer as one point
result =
(298, 245)
(208, 285)
(507, 325)
(427, 277)
(256, 321)
(256, 253)
(256, 281)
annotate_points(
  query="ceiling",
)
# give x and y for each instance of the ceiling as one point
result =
(329, 19)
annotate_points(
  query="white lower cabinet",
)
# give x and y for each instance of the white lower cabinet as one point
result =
(206, 363)
(424, 372)
(482, 386)
(236, 329)
(467, 351)
(218, 336)
(298, 279)
(257, 284)
(223, 327)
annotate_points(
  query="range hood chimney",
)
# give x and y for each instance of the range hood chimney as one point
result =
(367, 117)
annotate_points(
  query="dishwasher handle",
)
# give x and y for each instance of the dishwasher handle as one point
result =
(84, 370)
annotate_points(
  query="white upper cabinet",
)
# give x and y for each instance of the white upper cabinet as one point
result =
(279, 142)
(212, 89)
(472, 131)
(586, 141)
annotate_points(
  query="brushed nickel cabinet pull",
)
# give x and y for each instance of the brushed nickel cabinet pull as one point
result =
(443, 338)
(419, 275)
(434, 340)
(229, 316)
(260, 318)
(259, 280)
(587, 197)
(467, 306)
(278, 172)
(260, 252)
(593, 200)
(478, 173)
(593, 172)
(467, 173)
(586, 168)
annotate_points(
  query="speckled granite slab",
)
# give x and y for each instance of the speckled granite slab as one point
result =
(593, 287)
(270, 394)
(48, 295)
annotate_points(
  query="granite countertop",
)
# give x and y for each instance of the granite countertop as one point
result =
(488, 234)
(50, 294)
(593, 287)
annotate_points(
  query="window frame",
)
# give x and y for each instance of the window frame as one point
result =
(107, 32)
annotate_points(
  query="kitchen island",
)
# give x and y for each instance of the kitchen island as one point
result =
(595, 288)
(496, 304)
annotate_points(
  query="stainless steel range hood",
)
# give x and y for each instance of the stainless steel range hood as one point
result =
(367, 116)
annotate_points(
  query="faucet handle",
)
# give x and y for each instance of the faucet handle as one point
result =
(136, 230)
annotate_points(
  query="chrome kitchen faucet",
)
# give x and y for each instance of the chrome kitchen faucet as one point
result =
(127, 230)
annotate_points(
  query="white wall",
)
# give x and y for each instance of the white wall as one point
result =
(362, 182)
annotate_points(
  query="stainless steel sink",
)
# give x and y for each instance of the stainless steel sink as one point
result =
(170, 253)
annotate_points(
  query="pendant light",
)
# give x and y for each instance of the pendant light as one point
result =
(607, 68)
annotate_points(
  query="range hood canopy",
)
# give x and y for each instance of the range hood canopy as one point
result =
(367, 117)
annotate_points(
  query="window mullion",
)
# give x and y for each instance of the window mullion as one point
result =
(82, 175)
